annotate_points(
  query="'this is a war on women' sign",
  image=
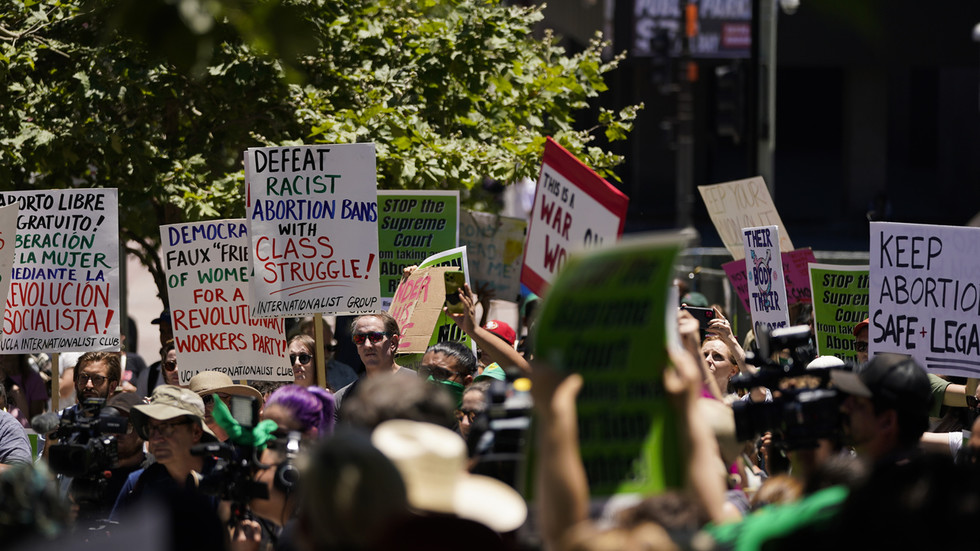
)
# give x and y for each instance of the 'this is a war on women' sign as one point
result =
(312, 213)
(742, 204)
(64, 285)
(574, 209)
(764, 272)
(604, 317)
(925, 295)
(207, 280)
(412, 226)
(840, 302)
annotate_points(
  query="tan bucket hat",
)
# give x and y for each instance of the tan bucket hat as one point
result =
(169, 402)
(216, 382)
(432, 462)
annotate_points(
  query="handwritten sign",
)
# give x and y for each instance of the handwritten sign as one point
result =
(313, 229)
(841, 294)
(417, 307)
(925, 295)
(766, 284)
(794, 269)
(8, 233)
(64, 285)
(412, 226)
(446, 329)
(207, 280)
(574, 209)
(495, 245)
(742, 204)
(604, 317)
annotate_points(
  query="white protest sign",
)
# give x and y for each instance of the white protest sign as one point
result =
(742, 204)
(207, 281)
(925, 295)
(8, 232)
(764, 272)
(495, 245)
(64, 285)
(574, 209)
(313, 229)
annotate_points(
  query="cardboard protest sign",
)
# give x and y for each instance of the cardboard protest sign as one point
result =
(313, 230)
(495, 245)
(574, 208)
(604, 317)
(742, 204)
(766, 283)
(794, 270)
(64, 285)
(413, 225)
(8, 233)
(841, 302)
(925, 295)
(417, 307)
(207, 281)
(446, 329)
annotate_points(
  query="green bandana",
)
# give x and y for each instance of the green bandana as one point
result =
(454, 388)
(257, 438)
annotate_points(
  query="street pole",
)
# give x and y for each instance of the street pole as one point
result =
(686, 74)
(766, 86)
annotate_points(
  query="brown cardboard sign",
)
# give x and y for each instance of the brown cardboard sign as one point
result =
(416, 307)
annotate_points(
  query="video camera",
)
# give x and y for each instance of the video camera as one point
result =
(497, 436)
(804, 409)
(233, 477)
(86, 447)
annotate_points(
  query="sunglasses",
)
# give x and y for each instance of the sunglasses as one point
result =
(170, 365)
(860, 346)
(303, 358)
(84, 378)
(374, 336)
(437, 373)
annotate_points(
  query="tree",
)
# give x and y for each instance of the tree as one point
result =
(450, 91)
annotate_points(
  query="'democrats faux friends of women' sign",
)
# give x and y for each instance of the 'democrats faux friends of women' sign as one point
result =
(208, 271)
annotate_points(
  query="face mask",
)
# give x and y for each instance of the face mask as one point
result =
(454, 388)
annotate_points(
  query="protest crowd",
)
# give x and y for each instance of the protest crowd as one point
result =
(622, 410)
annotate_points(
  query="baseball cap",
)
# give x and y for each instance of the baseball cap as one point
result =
(124, 401)
(695, 299)
(492, 371)
(216, 382)
(502, 330)
(857, 328)
(895, 379)
(164, 318)
(169, 402)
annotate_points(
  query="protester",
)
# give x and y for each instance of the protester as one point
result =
(207, 384)
(376, 337)
(339, 374)
(494, 349)
(308, 410)
(14, 445)
(172, 423)
(25, 388)
(451, 365)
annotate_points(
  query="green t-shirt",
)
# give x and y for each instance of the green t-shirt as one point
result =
(777, 521)
(938, 386)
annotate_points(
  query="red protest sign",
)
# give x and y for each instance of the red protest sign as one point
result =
(574, 209)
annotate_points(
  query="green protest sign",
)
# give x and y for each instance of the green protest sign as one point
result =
(840, 301)
(605, 318)
(412, 225)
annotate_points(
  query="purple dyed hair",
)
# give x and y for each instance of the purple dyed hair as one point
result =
(311, 406)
